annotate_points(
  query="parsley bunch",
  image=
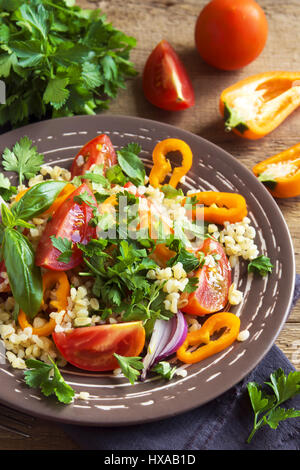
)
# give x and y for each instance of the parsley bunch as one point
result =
(58, 59)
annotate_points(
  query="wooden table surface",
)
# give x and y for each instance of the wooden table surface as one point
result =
(150, 21)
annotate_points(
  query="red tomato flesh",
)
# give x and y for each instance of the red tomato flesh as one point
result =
(93, 347)
(165, 80)
(69, 221)
(214, 282)
(98, 151)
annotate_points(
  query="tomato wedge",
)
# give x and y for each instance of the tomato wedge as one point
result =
(93, 347)
(70, 221)
(214, 281)
(98, 151)
(165, 80)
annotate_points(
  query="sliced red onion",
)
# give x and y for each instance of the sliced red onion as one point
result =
(167, 337)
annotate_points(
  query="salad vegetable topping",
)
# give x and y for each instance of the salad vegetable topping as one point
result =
(106, 272)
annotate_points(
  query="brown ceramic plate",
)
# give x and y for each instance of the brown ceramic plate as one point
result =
(264, 310)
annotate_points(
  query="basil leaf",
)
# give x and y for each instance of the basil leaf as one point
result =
(37, 199)
(24, 276)
(131, 164)
(7, 216)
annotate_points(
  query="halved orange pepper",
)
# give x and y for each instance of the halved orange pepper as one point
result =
(20, 194)
(218, 207)
(202, 338)
(162, 167)
(162, 254)
(63, 195)
(51, 279)
(255, 106)
(281, 173)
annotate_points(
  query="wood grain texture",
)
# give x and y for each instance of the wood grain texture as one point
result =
(150, 21)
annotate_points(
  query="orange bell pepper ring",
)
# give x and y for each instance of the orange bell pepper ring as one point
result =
(218, 207)
(255, 106)
(281, 173)
(202, 338)
(51, 279)
(162, 166)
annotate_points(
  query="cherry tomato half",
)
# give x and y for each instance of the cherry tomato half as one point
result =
(230, 34)
(165, 81)
(98, 151)
(69, 221)
(214, 281)
(93, 347)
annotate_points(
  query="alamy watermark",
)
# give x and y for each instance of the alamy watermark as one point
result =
(2, 92)
(141, 219)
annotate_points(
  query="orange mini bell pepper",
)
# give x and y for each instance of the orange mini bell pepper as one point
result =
(202, 338)
(162, 254)
(255, 106)
(63, 195)
(281, 173)
(218, 207)
(51, 280)
(162, 166)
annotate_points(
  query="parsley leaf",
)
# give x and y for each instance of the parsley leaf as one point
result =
(4, 182)
(261, 264)
(188, 260)
(266, 407)
(64, 246)
(95, 178)
(170, 192)
(23, 159)
(6, 190)
(48, 378)
(192, 285)
(86, 198)
(164, 369)
(130, 366)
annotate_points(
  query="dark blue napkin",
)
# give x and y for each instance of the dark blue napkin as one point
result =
(222, 424)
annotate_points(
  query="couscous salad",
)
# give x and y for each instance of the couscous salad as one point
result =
(108, 269)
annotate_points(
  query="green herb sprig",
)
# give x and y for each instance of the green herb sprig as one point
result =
(48, 379)
(266, 404)
(261, 265)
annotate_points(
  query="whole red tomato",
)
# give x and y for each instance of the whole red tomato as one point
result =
(230, 34)
(165, 80)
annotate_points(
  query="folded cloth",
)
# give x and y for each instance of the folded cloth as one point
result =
(222, 424)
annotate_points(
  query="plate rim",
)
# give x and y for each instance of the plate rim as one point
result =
(46, 414)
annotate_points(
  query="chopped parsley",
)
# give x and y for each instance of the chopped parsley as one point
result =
(261, 265)
(130, 367)
(48, 378)
(64, 246)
